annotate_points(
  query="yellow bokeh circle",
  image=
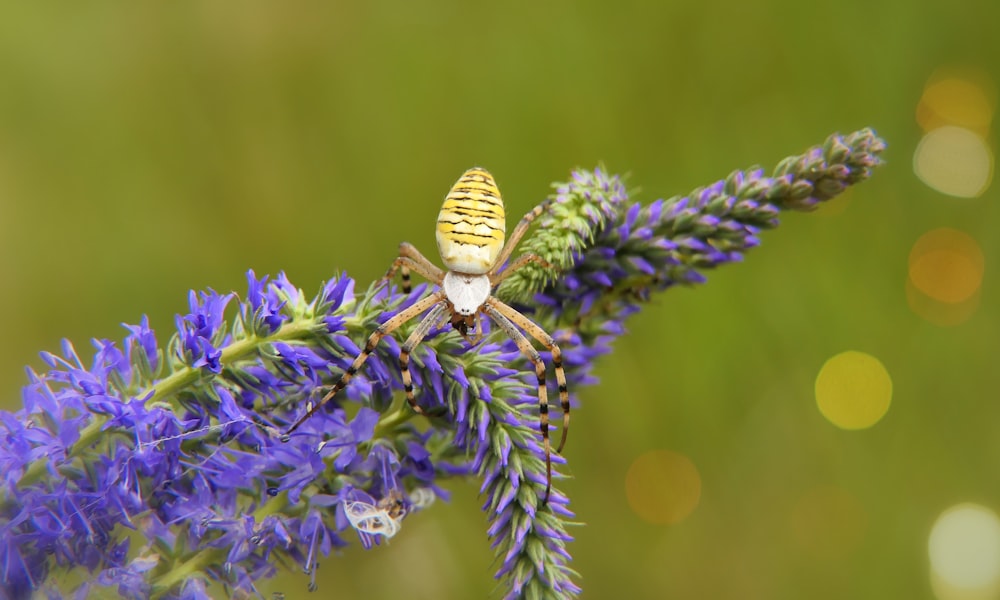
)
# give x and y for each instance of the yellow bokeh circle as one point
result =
(662, 487)
(853, 390)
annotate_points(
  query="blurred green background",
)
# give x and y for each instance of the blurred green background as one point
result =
(150, 148)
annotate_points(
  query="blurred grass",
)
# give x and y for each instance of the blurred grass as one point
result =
(147, 149)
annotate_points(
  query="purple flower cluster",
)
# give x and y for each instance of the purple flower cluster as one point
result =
(185, 453)
(643, 249)
(182, 445)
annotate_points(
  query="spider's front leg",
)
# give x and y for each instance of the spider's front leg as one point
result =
(509, 319)
(493, 310)
(519, 230)
(429, 321)
(376, 336)
(410, 259)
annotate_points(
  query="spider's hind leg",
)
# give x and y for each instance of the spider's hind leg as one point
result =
(519, 262)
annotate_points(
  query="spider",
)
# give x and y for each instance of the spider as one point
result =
(470, 239)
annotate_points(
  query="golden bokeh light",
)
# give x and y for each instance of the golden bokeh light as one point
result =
(964, 552)
(662, 487)
(946, 265)
(962, 97)
(942, 314)
(853, 390)
(955, 161)
(828, 522)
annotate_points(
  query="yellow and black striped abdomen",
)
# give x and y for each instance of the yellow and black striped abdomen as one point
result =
(471, 225)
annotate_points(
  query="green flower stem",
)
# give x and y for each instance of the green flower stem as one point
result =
(175, 573)
(273, 506)
(393, 418)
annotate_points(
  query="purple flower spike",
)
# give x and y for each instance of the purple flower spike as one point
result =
(161, 469)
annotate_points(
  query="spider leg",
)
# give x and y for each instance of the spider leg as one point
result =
(543, 402)
(519, 262)
(429, 321)
(380, 332)
(546, 340)
(411, 259)
(520, 230)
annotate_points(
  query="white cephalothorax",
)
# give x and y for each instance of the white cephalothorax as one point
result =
(470, 237)
(466, 292)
